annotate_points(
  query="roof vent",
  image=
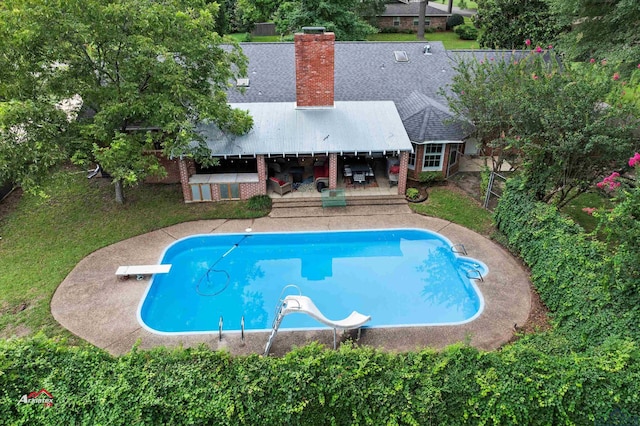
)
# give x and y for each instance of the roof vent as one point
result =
(242, 82)
(313, 30)
(401, 56)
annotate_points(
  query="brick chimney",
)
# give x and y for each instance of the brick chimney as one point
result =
(314, 67)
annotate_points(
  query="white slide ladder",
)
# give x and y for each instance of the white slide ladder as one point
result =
(302, 304)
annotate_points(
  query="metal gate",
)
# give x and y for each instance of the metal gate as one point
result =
(494, 190)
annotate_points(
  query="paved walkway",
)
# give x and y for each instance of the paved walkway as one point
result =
(93, 304)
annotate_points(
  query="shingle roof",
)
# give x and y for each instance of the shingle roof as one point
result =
(367, 71)
(410, 9)
(364, 71)
(425, 119)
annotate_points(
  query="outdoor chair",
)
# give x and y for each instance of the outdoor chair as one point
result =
(279, 187)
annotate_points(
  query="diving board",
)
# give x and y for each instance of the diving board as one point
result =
(141, 270)
(302, 304)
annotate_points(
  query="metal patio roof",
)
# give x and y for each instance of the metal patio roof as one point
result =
(282, 129)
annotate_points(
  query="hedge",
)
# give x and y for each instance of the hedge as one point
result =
(585, 371)
(312, 386)
(570, 270)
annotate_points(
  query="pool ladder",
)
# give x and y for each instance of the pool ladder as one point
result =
(459, 248)
(221, 324)
(477, 277)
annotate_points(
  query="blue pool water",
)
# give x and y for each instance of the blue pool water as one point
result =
(400, 277)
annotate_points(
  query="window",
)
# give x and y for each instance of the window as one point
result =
(432, 160)
(200, 192)
(453, 155)
(229, 191)
(427, 22)
(412, 158)
(396, 21)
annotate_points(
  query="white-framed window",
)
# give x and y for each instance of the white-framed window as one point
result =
(416, 21)
(396, 21)
(412, 158)
(432, 158)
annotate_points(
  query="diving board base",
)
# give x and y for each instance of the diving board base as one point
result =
(140, 271)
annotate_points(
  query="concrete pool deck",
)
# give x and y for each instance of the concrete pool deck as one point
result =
(95, 305)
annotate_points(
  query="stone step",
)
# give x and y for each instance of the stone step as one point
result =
(356, 206)
(318, 211)
(351, 201)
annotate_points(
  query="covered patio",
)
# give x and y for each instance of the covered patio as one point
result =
(351, 146)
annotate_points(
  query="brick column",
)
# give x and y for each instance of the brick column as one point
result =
(333, 171)
(402, 176)
(184, 180)
(262, 173)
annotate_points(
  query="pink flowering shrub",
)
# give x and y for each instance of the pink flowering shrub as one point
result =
(621, 226)
(610, 182)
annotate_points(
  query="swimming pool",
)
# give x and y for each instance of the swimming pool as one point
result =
(400, 277)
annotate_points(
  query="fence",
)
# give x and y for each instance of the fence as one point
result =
(494, 190)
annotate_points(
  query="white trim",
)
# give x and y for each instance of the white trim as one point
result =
(436, 142)
(424, 155)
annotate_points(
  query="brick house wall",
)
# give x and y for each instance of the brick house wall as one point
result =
(439, 23)
(171, 166)
(419, 150)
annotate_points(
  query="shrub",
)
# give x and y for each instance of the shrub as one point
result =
(431, 177)
(454, 20)
(467, 32)
(412, 193)
(570, 271)
(462, 4)
(259, 202)
(247, 37)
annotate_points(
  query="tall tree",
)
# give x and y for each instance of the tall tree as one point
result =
(601, 29)
(508, 23)
(567, 125)
(158, 67)
(339, 16)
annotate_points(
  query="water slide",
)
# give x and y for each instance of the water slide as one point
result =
(304, 305)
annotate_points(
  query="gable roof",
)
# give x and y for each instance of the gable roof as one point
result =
(410, 9)
(280, 128)
(425, 119)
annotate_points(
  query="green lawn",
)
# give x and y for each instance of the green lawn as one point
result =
(469, 5)
(240, 37)
(584, 219)
(456, 207)
(448, 38)
(43, 239)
